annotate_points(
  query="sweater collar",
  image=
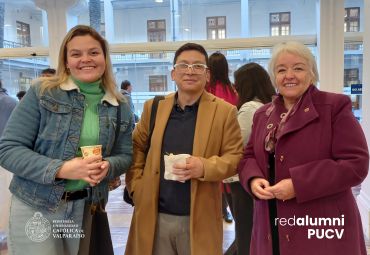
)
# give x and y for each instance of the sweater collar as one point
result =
(91, 88)
(71, 85)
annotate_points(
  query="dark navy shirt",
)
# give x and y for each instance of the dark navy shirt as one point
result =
(174, 196)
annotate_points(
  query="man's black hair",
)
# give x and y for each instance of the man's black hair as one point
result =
(125, 84)
(191, 46)
(21, 94)
(51, 71)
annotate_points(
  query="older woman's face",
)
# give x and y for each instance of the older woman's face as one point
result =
(292, 77)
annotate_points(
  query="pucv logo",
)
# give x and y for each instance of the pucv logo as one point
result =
(38, 228)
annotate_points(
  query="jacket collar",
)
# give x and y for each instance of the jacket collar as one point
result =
(206, 111)
(69, 85)
(305, 113)
(205, 118)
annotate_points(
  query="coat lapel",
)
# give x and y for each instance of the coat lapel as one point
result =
(305, 114)
(206, 112)
(163, 113)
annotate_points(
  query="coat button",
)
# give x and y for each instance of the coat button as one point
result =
(268, 237)
(287, 238)
(269, 126)
(281, 158)
(307, 109)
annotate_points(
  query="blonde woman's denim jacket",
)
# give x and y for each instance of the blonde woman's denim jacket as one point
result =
(44, 131)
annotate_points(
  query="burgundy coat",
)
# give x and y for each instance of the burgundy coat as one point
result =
(323, 149)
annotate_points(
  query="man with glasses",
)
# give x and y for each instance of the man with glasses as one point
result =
(183, 216)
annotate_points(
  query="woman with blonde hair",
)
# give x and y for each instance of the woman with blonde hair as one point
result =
(41, 147)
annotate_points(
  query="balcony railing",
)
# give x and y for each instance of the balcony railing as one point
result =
(10, 44)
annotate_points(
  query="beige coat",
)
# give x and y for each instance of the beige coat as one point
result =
(217, 141)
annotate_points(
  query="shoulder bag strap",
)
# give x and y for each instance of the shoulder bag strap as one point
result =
(153, 116)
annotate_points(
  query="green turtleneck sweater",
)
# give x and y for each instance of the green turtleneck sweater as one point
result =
(93, 93)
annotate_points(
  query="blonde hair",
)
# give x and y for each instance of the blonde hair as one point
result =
(63, 74)
(298, 49)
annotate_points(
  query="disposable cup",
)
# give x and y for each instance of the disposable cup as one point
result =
(88, 151)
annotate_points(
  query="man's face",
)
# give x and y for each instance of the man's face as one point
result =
(129, 89)
(188, 80)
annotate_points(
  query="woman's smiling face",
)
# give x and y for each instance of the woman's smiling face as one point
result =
(85, 58)
(292, 77)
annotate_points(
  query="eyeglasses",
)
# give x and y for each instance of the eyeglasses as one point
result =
(195, 68)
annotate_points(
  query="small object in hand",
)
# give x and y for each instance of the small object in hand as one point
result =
(169, 161)
(88, 151)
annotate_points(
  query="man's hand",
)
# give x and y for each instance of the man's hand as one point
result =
(193, 168)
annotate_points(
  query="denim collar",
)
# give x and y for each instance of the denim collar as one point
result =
(70, 85)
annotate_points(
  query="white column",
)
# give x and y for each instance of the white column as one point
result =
(330, 44)
(244, 20)
(57, 24)
(363, 200)
(109, 21)
(175, 20)
(45, 29)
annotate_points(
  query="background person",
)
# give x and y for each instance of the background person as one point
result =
(305, 152)
(174, 217)
(48, 72)
(221, 86)
(42, 140)
(20, 94)
(7, 105)
(126, 89)
(254, 88)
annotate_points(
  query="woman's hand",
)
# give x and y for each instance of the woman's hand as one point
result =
(83, 169)
(259, 188)
(283, 190)
(100, 174)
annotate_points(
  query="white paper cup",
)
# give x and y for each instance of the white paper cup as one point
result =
(88, 151)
